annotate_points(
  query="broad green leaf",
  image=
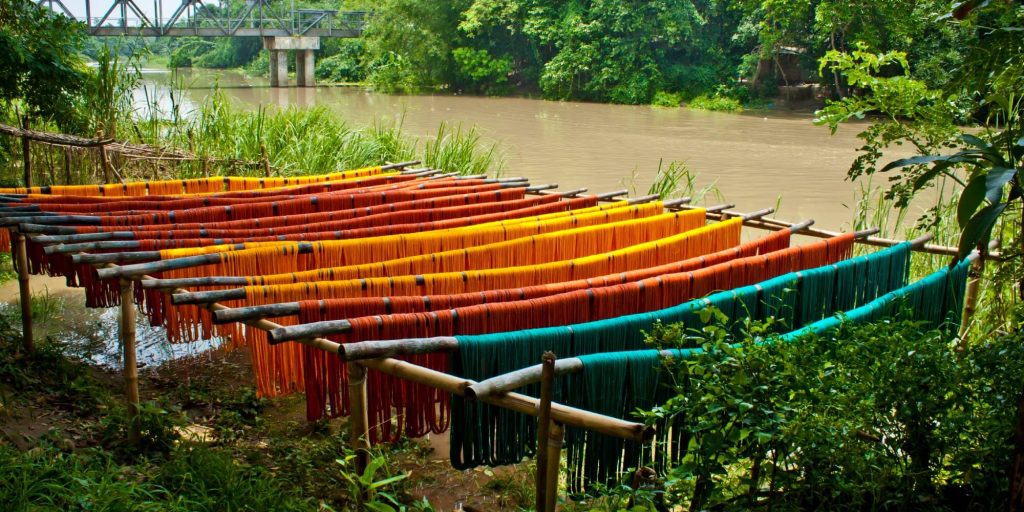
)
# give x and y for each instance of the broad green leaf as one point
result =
(387, 481)
(995, 180)
(927, 176)
(979, 227)
(914, 160)
(970, 199)
(977, 142)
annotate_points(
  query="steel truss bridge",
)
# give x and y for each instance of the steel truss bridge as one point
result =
(210, 18)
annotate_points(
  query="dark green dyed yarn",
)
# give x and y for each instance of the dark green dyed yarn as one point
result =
(615, 384)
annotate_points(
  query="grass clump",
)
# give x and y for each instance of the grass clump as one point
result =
(462, 151)
(194, 478)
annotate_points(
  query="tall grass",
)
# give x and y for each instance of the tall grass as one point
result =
(673, 181)
(462, 151)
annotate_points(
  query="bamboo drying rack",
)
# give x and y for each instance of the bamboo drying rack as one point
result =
(380, 355)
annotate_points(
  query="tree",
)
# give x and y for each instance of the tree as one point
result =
(40, 61)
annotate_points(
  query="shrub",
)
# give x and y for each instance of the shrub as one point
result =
(667, 99)
(715, 103)
(345, 64)
(884, 416)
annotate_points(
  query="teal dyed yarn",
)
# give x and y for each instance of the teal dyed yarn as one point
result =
(481, 434)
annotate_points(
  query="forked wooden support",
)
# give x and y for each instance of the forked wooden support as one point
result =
(544, 428)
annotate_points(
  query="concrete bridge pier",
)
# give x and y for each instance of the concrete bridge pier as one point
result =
(305, 63)
(305, 68)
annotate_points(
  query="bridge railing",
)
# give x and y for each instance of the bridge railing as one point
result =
(194, 18)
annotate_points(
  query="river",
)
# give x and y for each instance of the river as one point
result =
(752, 158)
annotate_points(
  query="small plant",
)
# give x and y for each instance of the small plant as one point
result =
(157, 425)
(46, 307)
(372, 491)
(514, 489)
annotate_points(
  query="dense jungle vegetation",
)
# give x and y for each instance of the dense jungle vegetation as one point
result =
(618, 51)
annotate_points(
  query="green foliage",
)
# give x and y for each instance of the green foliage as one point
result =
(186, 50)
(986, 88)
(203, 479)
(478, 71)
(408, 44)
(673, 181)
(108, 97)
(238, 415)
(194, 478)
(667, 99)
(156, 423)
(883, 416)
(715, 103)
(298, 141)
(214, 52)
(462, 151)
(372, 487)
(342, 61)
(59, 378)
(40, 62)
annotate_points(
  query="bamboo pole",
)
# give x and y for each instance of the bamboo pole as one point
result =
(265, 159)
(977, 271)
(26, 151)
(556, 438)
(544, 426)
(104, 160)
(359, 419)
(131, 367)
(971, 297)
(24, 291)
(67, 166)
(456, 385)
(511, 381)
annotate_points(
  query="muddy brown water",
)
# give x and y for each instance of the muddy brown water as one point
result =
(753, 158)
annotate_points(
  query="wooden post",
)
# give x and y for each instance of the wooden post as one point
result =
(266, 160)
(556, 436)
(359, 420)
(26, 152)
(544, 426)
(21, 260)
(131, 367)
(104, 161)
(67, 166)
(971, 298)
